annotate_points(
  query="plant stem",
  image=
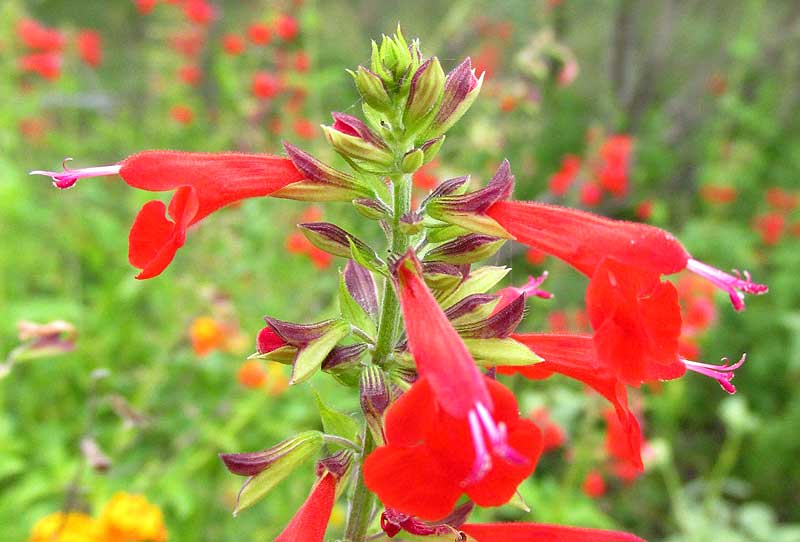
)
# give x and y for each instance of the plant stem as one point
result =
(362, 500)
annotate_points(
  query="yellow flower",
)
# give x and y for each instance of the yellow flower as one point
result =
(207, 334)
(71, 527)
(131, 518)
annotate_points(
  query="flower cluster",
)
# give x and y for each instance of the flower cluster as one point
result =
(441, 433)
(125, 518)
(44, 47)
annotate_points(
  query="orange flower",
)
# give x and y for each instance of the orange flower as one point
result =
(207, 334)
(71, 527)
(251, 374)
(127, 517)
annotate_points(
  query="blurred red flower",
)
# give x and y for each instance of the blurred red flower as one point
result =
(90, 48)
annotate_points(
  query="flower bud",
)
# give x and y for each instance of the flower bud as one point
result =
(344, 363)
(361, 286)
(372, 89)
(375, 399)
(333, 239)
(466, 249)
(424, 94)
(322, 182)
(461, 88)
(431, 147)
(441, 277)
(353, 139)
(269, 467)
(498, 326)
(412, 161)
(411, 223)
(371, 208)
(472, 308)
(468, 210)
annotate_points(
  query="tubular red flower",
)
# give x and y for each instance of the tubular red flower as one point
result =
(637, 323)
(429, 457)
(90, 47)
(311, 520)
(203, 183)
(455, 382)
(575, 356)
(583, 240)
(541, 532)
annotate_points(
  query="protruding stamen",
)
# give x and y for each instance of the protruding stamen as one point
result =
(483, 461)
(69, 177)
(736, 286)
(531, 288)
(498, 437)
(721, 373)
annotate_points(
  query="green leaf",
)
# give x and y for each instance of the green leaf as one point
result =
(335, 422)
(480, 281)
(310, 358)
(256, 487)
(494, 352)
(353, 312)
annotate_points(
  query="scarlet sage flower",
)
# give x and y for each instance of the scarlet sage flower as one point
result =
(203, 183)
(594, 485)
(46, 65)
(199, 11)
(590, 195)
(561, 180)
(310, 522)
(584, 239)
(90, 48)
(144, 7)
(575, 356)
(265, 85)
(182, 114)
(429, 459)
(190, 74)
(259, 33)
(612, 174)
(286, 27)
(233, 44)
(34, 35)
(455, 431)
(529, 532)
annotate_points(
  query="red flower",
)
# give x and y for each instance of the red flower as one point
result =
(612, 174)
(259, 33)
(36, 36)
(46, 65)
(644, 211)
(590, 195)
(425, 178)
(457, 403)
(302, 62)
(188, 43)
(561, 180)
(265, 85)
(202, 182)
(304, 128)
(782, 200)
(310, 522)
(718, 194)
(182, 114)
(575, 356)
(637, 322)
(233, 44)
(618, 448)
(90, 48)
(190, 74)
(145, 6)
(199, 11)
(540, 532)
(429, 456)
(593, 485)
(584, 239)
(286, 27)
(770, 227)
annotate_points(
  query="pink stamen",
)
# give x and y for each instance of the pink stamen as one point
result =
(736, 286)
(483, 427)
(531, 288)
(721, 373)
(69, 177)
